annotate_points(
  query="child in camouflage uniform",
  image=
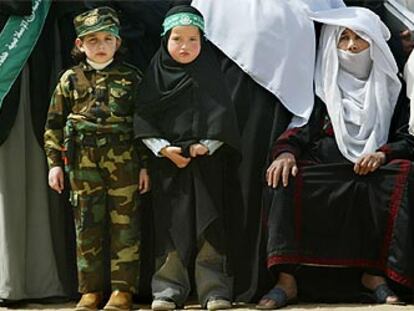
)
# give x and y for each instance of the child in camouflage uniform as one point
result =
(90, 122)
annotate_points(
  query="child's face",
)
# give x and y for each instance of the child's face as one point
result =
(184, 44)
(99, 47)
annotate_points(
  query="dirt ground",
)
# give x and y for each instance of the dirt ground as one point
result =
(298, 307)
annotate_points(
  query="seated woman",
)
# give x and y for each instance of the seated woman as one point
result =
(347, 203)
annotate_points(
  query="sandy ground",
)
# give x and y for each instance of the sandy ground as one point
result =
(298, 307)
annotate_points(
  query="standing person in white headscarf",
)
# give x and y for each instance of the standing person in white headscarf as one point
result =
(409, 78)
(341, 195)
(267, 53)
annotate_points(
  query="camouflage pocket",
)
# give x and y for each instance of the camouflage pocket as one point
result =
(120, 99)
(82, 100)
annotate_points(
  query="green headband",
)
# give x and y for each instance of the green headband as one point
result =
(113, 30)
(182, 19)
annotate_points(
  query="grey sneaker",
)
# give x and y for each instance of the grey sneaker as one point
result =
(218, 304)
(163, 304)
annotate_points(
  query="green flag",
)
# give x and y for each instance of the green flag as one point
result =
(17, 41)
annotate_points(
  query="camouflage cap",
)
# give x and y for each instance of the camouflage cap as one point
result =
(98, 19)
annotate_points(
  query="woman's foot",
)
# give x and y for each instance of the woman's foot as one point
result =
(380, 289)
(284, 292)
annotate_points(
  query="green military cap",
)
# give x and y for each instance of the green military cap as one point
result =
(99, 19)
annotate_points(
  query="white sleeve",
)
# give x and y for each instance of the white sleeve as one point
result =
(211, 144)
(409, 79)
(156, 144)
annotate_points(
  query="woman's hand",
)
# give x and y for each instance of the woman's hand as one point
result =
(56, 180)
(174, 154)
(281, 167)
(369, 163)
(143, 181)
(198, 150)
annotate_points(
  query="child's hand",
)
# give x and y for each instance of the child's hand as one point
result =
(174, 154)
(198, 150)
(144, 181)
(56, 181)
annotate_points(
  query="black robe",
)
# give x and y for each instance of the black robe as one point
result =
(185, 104)
(328, 215)
(261, 118)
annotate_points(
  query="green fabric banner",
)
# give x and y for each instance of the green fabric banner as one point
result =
(17, 41)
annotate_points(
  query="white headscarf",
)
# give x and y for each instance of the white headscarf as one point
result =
(409, 78)
(360, 109)
(272, 41)
(320, 5)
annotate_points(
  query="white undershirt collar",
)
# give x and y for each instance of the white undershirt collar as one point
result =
(99, 66)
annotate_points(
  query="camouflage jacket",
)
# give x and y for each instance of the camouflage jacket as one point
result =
(95, 102)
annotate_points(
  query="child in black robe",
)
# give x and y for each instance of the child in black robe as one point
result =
(185, 116)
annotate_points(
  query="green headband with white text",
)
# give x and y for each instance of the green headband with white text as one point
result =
(182, 19)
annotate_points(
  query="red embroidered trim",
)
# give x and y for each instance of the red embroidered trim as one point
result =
(288, 133)
(395, 276)
(329, 131)
(281, 144)
(286, 259)
(380, 264)
(395, 203)
(386, 149)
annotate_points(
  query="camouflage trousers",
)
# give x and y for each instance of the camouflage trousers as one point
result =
(104, 195)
